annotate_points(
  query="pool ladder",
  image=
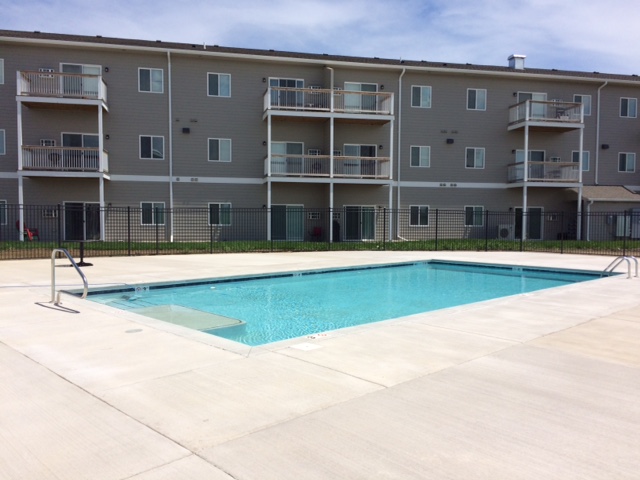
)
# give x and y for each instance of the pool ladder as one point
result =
(613, 265)
(55, 299)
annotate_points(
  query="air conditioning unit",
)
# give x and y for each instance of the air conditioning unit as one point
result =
(506, 232)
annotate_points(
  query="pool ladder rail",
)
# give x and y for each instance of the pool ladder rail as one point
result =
(55, 299)
(618, 260)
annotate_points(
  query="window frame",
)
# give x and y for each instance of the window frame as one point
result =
(151, 70)
(218, 86)
(152, 137)
(219, 159)
(475, 158)
(219, 213)
(154, 206)
(476, 108)
(1, 71)
(420, 102)
(420, 148)
(628, 156)
(575, 158)
(3, 141)
(3, 212)
(585, 111)
(625, 114)
(419, 214)
(476, 212)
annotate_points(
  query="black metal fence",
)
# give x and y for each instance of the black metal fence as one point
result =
(89, 231)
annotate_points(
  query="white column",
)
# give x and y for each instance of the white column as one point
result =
(102, 210)
(20, 206)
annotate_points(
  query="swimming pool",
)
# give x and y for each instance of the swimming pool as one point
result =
(269, 308)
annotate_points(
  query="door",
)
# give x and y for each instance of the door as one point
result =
(359, 223)
(285, 98)
(360, 102)
(286, 157)
(81, 221)
(287, 222)
(359, 166)
(538, 110)
(77, 158)
(534, 223)
(79, 85)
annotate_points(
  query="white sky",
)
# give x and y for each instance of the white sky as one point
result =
(584, 35)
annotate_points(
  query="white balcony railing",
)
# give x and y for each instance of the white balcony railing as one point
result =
(543, 111)
(326, 100)
(61, 85)
(320, 166)
(64, 159)
(544, 172)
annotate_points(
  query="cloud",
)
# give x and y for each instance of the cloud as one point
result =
(570, 34)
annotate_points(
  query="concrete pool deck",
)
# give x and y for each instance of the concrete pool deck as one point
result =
(542, 385)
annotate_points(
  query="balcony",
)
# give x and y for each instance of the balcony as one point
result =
(320, 166)
(546, 116)
(320, 102)
(548, 172)
(64, 159)
(63, 88)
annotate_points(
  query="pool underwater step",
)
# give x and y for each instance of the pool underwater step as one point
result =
(188, 317)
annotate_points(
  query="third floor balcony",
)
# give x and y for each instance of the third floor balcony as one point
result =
(64, 159)
(61, 88)
(320, 102)
(554, 115)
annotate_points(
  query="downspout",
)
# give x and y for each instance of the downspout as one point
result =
(598, 134)
(170, 147)
(331, 150)
(398, 156)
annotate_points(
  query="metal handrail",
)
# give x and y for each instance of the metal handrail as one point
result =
(56, 300)
(618, 260)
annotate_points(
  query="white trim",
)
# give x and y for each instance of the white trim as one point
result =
(3, 141)
(418, 225)
(151, 69)
(218, 74)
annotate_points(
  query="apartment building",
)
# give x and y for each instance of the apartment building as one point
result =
(92, 122)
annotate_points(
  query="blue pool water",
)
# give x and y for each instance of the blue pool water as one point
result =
(283, 306)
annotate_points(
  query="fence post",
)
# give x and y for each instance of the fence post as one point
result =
(486, 230)
(562, 232)
(129, 229)
(59, 226)
(624, 235)
(210, 236)
(437, 229)
(384, 230)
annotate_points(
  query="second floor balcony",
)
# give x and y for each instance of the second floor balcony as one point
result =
(547, 172)
(64, 159)
(320, 166)
(323, 101)
(546, 115)
(72, 87)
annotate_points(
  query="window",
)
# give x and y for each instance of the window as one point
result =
(575, 157)
(3, 148)
(150, 80)
(285, 92)
(534, 156)
(420, 156)
(152, 213)
(475, 157)
(585, 100)
(629, 107)
(219, 150)
(419, 216)
(476, 99)
(219, 85)
(627, 162)
(420, 96)
(1, 71)
(3, 212)
(219, 214)
(151, 148)
(473, 216)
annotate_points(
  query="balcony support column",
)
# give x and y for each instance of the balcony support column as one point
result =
(331, 211)
(525, 220)
(21, 207)
(102, 210)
